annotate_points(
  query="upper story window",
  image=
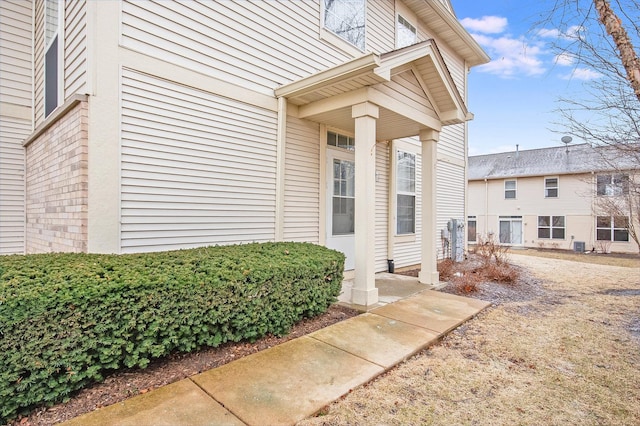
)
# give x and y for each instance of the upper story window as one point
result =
(341, 141)
(346, 19)
(510, 189)
(551, 187)
(52, 55)
(405, 193)
(613, 184)
(406, 33)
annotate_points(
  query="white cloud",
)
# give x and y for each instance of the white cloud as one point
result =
(564, 59)
(572, 32)
(486, 24)
(511, 57)
(582, 74)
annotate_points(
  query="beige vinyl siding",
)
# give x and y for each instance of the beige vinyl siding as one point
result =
(15, 61)
(257, 45)
(380, 30)
(197, 169)
(75, 41)
(455, 65)
(302, 181)
(405, 88)
(450, 189)
(15, 120)
(451, 143)
(12, 132)
(382, 205)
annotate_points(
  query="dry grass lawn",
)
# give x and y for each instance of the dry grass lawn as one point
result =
(569, 355)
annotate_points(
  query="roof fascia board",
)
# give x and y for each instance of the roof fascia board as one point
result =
(331, 76)
(335, 102)
(456, 26)
(399, 59)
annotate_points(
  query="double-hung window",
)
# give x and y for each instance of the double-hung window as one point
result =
(551, 187)
(52, 55)
(612, 184)
(612, 228)
(510, 189)
(405, 193)
(405, 32)
(346, 19)
(551, 227)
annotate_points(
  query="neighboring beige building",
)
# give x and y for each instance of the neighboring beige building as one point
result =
(132, 126)
(550, 198)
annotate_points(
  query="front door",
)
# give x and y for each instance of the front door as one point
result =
(341, 204)
(511, 230)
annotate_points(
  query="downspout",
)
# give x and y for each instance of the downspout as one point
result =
(486, 207)
(281, 134)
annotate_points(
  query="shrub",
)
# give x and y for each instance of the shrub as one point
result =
(501, 272)
(489, 248)
(67, 319)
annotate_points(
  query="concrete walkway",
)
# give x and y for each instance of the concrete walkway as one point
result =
(294, 380)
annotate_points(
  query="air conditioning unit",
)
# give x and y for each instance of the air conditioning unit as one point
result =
(579, 246)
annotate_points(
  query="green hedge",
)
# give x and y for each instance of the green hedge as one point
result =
(67, 319)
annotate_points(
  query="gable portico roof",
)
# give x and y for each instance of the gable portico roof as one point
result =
(327, 96)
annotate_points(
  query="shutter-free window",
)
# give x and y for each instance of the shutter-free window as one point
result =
(346, 19)
(405, 193)
(509, 189)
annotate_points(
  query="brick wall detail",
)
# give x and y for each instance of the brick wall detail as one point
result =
(56, 186)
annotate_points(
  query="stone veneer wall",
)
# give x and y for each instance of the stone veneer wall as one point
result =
(56, 186)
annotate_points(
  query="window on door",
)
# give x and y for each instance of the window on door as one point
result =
(510, 229)
(52, 56)
(343, 197)
(405, 193)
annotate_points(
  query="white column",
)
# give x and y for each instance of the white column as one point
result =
(364, 291)
(103, 73)
(429, 271)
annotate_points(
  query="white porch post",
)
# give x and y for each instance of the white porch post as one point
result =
(429, 271)
(364, 291)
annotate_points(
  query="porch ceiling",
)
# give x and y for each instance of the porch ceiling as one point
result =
(412, 86)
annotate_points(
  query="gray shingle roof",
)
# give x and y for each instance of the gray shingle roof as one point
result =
(581, 158)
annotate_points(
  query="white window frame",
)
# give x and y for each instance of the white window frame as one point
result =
(473, 219)
(547, 187)
(514, 189)
(552, 227)
(59, 38)
(398, 154)
(340, 140)
(408, 25)
(615, 185)
(612, 229)
(335, 39)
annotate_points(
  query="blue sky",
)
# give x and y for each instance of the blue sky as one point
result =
(514, 97)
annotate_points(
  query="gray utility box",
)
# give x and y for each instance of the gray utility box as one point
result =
(578, 246)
